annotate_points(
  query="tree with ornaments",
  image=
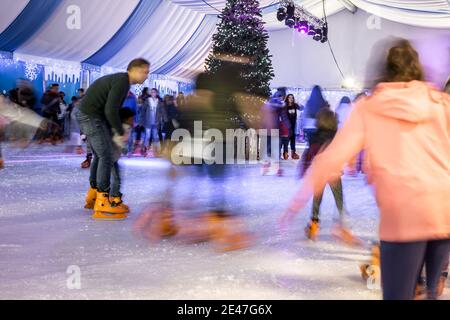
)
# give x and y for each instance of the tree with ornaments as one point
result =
(241, 38)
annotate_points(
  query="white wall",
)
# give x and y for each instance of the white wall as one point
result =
(300, 61)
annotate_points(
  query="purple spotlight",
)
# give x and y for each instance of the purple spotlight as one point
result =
(303, 27)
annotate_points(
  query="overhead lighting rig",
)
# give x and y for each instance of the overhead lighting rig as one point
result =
(302, 20)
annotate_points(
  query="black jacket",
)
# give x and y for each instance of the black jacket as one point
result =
(292, 113)
(105, 97)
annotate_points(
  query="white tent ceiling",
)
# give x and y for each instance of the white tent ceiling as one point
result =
(175, 35)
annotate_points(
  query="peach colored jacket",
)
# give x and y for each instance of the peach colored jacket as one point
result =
(404, 129)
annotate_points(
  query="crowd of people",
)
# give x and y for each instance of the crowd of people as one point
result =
(156, 118)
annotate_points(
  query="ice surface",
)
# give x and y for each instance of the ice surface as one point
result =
(44, 230)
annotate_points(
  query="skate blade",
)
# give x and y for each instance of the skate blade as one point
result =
(109, 216)
(347, 238)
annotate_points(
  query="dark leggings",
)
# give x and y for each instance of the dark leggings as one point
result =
(292, 141)
(401, 263)
(336, 188)
(284, 144)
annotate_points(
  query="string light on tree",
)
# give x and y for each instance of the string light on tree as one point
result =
(241, 38)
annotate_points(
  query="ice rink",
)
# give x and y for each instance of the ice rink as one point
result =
(45, 234)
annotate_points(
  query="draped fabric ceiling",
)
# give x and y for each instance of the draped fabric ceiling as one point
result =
(175, 35)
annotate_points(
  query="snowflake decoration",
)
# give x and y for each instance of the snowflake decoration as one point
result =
(31, 71)
(138, 88)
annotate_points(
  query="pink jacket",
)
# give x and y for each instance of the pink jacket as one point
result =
(404, 129)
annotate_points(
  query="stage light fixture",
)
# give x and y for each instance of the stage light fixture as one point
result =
(303, 27)
(281, 14)
(290, 18)
(318, 35)
(311, 31)
(296, 16)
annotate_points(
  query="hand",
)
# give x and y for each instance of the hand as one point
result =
(120, 141)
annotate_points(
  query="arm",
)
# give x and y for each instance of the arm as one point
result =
(328, 165)
(115, 98)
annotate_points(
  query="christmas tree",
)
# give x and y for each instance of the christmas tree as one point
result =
(241, 33)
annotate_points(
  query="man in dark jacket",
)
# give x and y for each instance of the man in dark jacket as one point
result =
(100, 121)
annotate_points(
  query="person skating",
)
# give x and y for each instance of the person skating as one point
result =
(126, 117)
(86, 164)
(270, 115)
(327, 125)
(293, 109)
(395, 126)
(24, 118)
(285, 132)
(151, 119)
(315, 103)
(72, 129)
(99, 120)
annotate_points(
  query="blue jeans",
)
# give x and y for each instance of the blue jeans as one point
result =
(115, 174)
(151, 134)
(100, 139)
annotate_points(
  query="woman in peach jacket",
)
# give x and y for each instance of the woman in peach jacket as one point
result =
(404, 128)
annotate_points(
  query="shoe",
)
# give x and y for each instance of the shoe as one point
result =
(91, 196)
(312, 230)
(117, 201)
(105, 210)
(372, 268)
(285, 155)
(227, 232)
(156, 222)
(420, 292)
(265, 168)
(294, 155)
(344, 234)
(86, 163)
(441, 284)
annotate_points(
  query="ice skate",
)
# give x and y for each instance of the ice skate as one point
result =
(91, 196)
(117, 201)
(420, 292)
(144, 152)
(195, 230)
(372, 268)
(265, 168)
(344, 234)
(227, 232)
(137, 150)
(105, 210)
(285, 155)
(280, 172)
(312, 230)
(79, 150)
(294, 155)
(441, 284)
(156, 222)
(2, 164)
